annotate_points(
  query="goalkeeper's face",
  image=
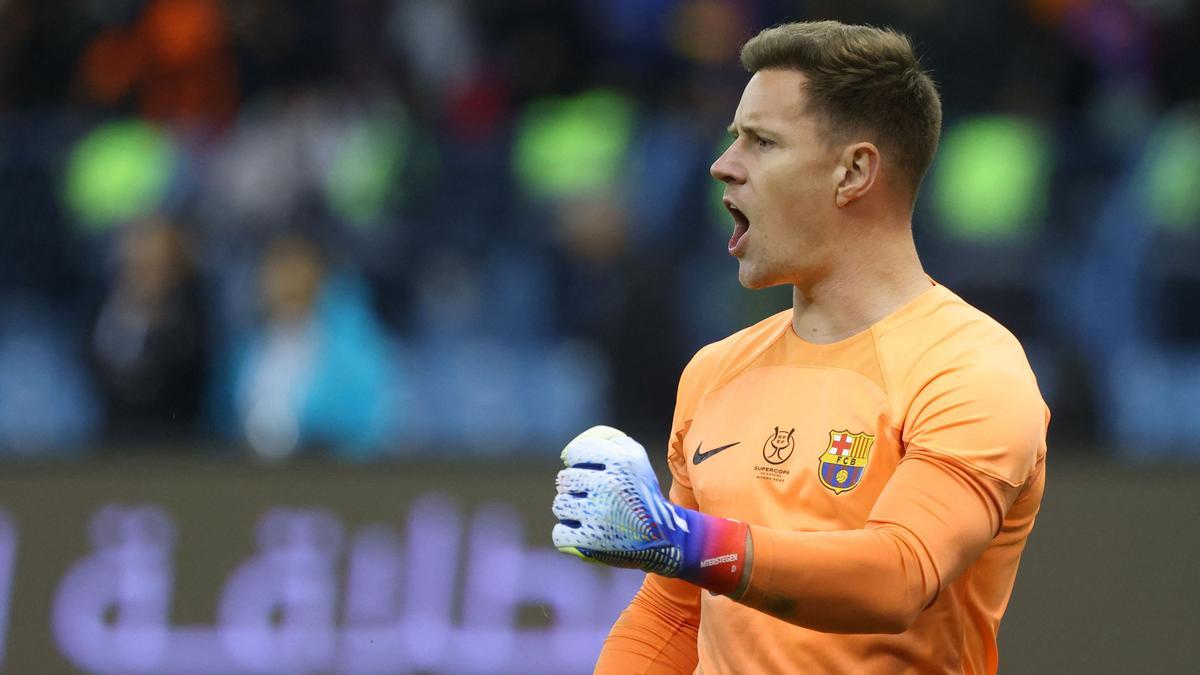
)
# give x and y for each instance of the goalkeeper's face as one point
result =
(780, 176)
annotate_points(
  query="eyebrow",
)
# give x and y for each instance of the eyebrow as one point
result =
(749, 128)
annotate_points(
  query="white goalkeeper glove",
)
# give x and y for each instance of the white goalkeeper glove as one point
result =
(610, 510)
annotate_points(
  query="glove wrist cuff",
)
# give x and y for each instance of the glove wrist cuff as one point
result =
(715, 552)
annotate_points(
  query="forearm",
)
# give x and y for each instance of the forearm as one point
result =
(867, 581)
(929, 526)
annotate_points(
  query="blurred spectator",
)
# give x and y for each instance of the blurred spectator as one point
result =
(315, 372)
(150, 342)
(609, 294)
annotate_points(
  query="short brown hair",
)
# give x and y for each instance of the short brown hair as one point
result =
(861, 79)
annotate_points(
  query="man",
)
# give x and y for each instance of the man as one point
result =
(854, 479)
(150, 346)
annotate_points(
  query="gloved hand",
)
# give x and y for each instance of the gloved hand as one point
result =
(610, 510)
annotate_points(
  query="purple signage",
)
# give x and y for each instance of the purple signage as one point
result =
(443, 595)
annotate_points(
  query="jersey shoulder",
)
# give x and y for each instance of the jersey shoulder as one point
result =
(721, 361)
(947, 331)
(960, 383)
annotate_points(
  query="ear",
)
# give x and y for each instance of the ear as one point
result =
(859, 167)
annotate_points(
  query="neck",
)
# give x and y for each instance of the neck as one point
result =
(880, 274)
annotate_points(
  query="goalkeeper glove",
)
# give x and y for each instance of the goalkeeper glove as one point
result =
(610, 510)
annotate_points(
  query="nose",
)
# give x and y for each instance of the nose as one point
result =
(727, 169)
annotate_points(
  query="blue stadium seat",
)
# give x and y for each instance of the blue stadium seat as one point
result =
(47, 405)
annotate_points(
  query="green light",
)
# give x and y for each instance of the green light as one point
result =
(990, 179)
(118, 172)
(363, 176)
(1171, 174)
(570, 146)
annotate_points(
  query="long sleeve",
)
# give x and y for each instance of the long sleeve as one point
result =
(933, 520)
(657, 632)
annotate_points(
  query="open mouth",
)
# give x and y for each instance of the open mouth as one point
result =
(741, 225)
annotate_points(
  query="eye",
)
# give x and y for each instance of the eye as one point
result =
(764, 144)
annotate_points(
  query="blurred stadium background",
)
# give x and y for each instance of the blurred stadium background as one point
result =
(298, 302)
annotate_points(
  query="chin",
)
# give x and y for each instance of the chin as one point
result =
(752, 279)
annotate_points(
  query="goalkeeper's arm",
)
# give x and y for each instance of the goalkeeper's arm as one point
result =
(930, 523)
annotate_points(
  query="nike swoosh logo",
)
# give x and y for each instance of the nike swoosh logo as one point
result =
(701, 456)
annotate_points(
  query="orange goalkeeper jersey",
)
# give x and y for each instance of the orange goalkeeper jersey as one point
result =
(890, 481)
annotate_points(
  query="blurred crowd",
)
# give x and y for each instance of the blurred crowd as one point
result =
(371, 228)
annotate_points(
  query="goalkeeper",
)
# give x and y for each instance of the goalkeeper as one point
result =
(853, 479)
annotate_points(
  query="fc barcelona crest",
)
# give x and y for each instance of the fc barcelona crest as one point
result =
(844, 462)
